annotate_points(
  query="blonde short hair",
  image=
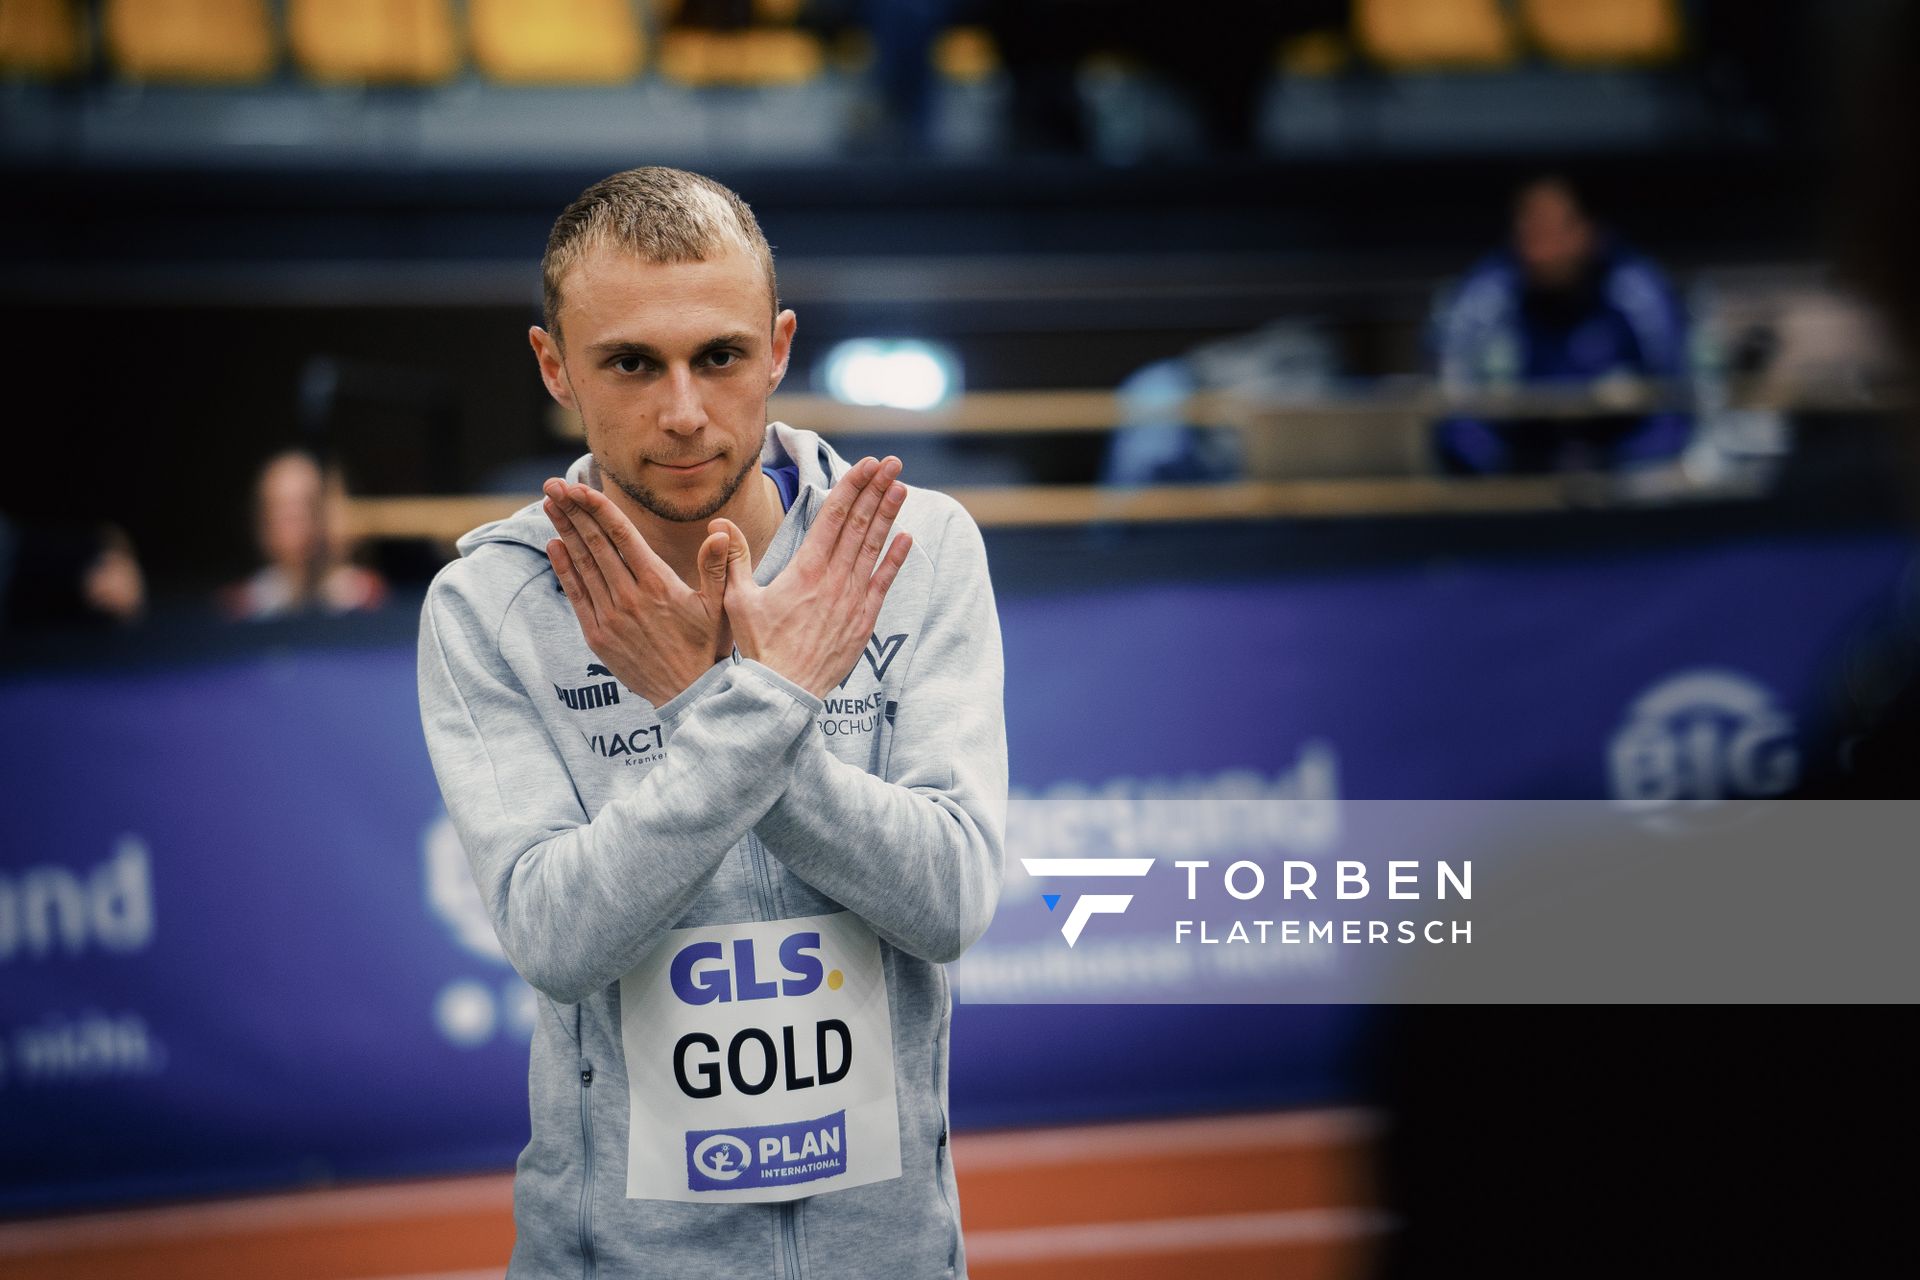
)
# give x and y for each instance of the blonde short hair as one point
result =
(659, 214)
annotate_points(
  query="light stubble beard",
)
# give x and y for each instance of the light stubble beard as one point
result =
(667, 510)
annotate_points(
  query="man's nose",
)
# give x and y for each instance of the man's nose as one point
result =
(682, 414)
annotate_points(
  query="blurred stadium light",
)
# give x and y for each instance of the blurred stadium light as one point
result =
(897, 373)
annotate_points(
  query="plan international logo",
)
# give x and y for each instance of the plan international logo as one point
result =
(1091, 904)
(767, 1154)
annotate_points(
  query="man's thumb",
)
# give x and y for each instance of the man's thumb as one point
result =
(713, 564)
(725, 553)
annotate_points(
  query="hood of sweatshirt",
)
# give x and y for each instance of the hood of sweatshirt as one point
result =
(819, 467)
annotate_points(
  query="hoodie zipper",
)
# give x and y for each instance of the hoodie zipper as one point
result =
(942, 1153)
(763, 890)
(790, 1264)
(586, 1186)
(763, 908)
(942, 1158)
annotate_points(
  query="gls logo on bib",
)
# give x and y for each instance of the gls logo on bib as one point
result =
(760, 1062)
(699, 975)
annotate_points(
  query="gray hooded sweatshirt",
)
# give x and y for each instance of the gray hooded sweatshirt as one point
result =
(595, 823)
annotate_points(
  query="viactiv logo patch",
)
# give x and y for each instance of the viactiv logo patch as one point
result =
(767, 1155)
(1091, 904)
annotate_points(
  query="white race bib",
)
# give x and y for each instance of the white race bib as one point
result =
(759, 1062)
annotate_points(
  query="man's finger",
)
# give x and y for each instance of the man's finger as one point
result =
(628, 541)
(617, 572)
(854, 535)
(586, 570)
(825, 533)
(877, 531)
(882, 580)
(562, 564)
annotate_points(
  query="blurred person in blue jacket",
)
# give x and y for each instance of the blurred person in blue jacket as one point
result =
(1565, 304)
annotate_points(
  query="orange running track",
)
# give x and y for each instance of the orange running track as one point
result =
(1279, 1195)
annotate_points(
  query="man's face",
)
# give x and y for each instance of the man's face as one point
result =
(670, 366)
(1551, 236)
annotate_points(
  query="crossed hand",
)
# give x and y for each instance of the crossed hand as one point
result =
(657, 634)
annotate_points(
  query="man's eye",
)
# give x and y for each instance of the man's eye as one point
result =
(629, 364)
(721, 359)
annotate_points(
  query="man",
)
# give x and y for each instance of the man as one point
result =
(1564, 304)
(730, 770)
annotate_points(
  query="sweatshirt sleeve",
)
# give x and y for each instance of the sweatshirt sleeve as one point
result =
(917, 853)
(577, 903)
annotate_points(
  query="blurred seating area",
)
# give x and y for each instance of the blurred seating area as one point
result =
(1468, 34)
(408, 42)
(1136, 322)
(603, 42)
(430, 79)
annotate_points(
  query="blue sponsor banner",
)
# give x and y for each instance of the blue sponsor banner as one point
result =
(767, 1155)
(239, 945)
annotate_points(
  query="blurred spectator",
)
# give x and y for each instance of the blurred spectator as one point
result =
(299, 522)
(903, 35)
(1565, 305)
(55, 576)
(1286, 360)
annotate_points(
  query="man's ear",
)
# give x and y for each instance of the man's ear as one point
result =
(553, 370)
(783, 327)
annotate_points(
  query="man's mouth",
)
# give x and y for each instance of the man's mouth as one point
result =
(685, 468)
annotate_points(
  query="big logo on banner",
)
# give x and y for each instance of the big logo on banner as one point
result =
(1701, 736)
(759, 1062)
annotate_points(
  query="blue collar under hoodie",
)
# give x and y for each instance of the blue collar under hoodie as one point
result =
(814, 460)
(597, 825)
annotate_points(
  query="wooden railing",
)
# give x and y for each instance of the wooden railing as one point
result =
(1376, 441)
(1039, 505)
